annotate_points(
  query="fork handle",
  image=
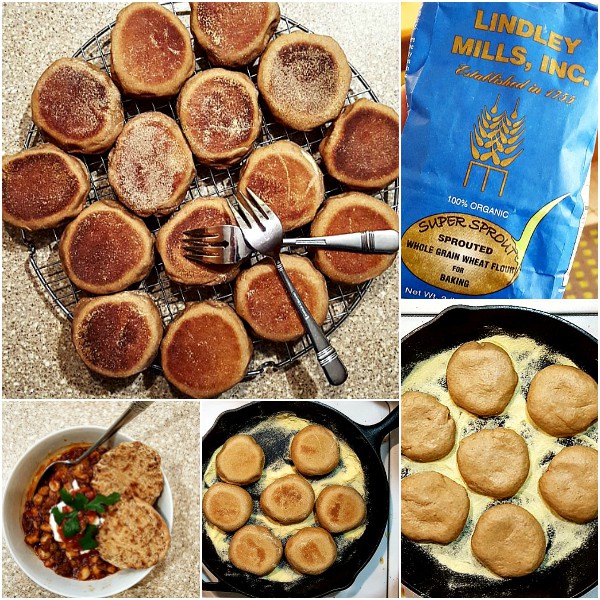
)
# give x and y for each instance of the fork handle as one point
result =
(368, 242)
(330, 362)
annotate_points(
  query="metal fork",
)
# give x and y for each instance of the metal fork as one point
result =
(263, 232)
(225, 244)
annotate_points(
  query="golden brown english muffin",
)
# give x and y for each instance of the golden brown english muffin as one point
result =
(151, 52)
(206, 350)
(240, 460)
(361, 149)
(340, 508)
(304, 79)
(315, 450)
(106, 249)
(287, 500)
(233, 34)
(311, 551)
(42, 187)
(263, 302)
(353, 212)
(77, 106)
(131, 468)
(220, 117)
(254, 549)
(287, 178)
(133, 535)
(227, 506)
(151, 166)
(170, 243)
(117, 335)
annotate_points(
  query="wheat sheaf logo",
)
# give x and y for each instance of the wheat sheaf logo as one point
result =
(496, 140)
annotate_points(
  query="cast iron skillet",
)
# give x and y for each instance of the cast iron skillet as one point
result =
(364, 440)
(571, 577)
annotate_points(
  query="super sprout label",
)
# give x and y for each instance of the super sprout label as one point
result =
(503, 109)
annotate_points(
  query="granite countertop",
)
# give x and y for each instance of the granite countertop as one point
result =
(38, 358)
(173, 430)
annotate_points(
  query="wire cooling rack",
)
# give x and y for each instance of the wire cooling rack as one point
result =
(169, 296)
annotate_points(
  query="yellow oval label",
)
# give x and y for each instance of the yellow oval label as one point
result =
(461, 253)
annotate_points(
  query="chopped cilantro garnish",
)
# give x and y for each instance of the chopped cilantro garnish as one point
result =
(100, 502)
(88, 542)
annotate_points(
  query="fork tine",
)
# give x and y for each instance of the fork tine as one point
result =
(203, 249)
(252, 208)
(205, 233)
(249, 213)
(266, 209)
(242, 222)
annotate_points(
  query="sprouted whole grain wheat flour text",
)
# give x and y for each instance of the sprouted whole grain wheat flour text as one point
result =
(497, 147)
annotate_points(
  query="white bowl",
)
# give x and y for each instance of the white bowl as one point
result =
(14, 501)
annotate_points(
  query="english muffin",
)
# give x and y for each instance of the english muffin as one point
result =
(481, 378)
(255, 549)
(311, 551)
(170, 243)
(233, 34)
(361, 149)
(117, 335)
(133, 535)
(287, 500)
(206, 350)
(315, 450)
(131, 468)
(263, 302)
(220, 117)
(287, 178)
(106, 248)
(42, 187)
(352, 212)
(240, 460)
(304, 79)
(151, 166)
(151, 52)
(227, 506)
(562, 400)
(77, 106)
(340, 508)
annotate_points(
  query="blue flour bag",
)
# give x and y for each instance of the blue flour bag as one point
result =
(503, 110)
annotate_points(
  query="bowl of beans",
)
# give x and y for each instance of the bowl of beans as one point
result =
(64, 566)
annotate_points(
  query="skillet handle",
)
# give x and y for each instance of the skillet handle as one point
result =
(375, 433)
(215, 586)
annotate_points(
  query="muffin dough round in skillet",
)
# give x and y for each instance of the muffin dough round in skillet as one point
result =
(129, 468)
(133, 535)
(220, 117)
(287, 500)
(352, 212)
(562, 400)
(262, 301)
(494, 462)
(315, 450)
(42, 187)
(254, 549)
(287, 178)
(361, 149)
(434, 508)
(240, 460)
(570, 484)
(117, 335)
(311, 551)
(106, 248)
(340, 508)
(151, 166)
(233, 34)
(481, 378)
(206, 350)
(304, 79)
(150, 51)
(170, 243)
(77, 106)
(227, 506)
(428, 430)
(509, 541)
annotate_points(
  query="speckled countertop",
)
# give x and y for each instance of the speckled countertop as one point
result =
(37, 355)
(173, 430)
